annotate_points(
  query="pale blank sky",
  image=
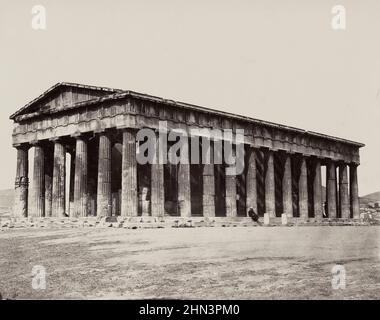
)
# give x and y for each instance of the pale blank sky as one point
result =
(274, 60)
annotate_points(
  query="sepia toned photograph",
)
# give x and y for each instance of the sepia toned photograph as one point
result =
(189, 150)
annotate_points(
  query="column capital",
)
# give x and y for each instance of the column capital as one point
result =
(267, 150)
(101, 131)
(124, 127)
(35, 143)
(40, 143)
(80, 135)
(128, 130)
(77, 135)
(56, 139)
(303, 155)
(22, 146)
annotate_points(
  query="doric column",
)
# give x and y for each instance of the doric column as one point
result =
(251, 199)
(343, 192)
(92, 176)
(287, 200)
(48, 165)
(38, 185)
(231, 208)
(157, 183)
(302, 190)
(231, 188)
(104, 198)
(71, 183)
(59, 180)
(184, 190)
(354, 192)
(269, 185)
(317, 190)
(129, 175)
(21, 182)
(80, 178)
(331, 189)
(208, 175)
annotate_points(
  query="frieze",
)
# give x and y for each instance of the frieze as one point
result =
(134, 113)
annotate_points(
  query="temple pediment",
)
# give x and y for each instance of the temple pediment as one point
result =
(62, 95)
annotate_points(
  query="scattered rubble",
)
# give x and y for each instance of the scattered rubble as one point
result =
(143, 222)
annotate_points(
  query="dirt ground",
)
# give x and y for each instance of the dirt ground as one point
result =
(191, 263)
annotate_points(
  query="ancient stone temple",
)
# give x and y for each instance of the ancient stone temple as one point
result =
(84, 162)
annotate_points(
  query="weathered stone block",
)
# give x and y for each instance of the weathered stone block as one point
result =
(284, 219)
(266, 219)
(111, 219)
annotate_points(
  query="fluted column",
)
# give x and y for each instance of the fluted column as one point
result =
(344, 202)
(317, 190)
(184, 190)
(208, 182)
(269, 185)
(59, 180)
(71, 183)
(331, 189)
(157, 183)
(354, 192)
(231, 190)
(302, 190)
(251, 181)
(21, 182)
(231, 207)
(80, 178)
(38, 185)
(48, 166)
(287, 200)
(129, 175)
(104, 199)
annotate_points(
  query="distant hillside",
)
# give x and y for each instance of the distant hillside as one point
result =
(372, 197)
(6, 201)
(6, 198)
